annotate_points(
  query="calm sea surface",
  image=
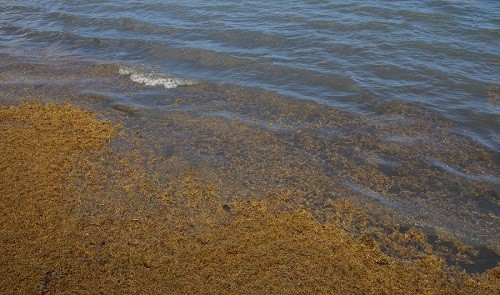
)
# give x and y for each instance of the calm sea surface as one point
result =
(395, 101)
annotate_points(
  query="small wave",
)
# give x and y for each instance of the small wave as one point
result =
(450, 169)
(155, 79)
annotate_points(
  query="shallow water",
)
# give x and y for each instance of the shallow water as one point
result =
(392, 105)
(345, 54)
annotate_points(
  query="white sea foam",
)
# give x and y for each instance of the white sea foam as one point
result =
(155, 79)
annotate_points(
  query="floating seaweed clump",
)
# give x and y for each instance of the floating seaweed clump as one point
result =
(79, 216)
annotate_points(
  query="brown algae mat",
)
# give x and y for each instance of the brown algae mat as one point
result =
(83, 214)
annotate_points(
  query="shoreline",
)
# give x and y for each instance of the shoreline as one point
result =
(104, 221)
(121, 168)
(400, 163)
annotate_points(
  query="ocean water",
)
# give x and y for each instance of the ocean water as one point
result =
(345, 54)
(397, 101)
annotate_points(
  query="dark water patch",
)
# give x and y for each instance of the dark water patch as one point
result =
(475, 260)
(484, 260)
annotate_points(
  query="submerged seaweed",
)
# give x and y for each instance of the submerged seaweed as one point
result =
(82, 216)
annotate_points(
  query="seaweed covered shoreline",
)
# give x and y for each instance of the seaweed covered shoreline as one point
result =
(84, 210)
(112, 186)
